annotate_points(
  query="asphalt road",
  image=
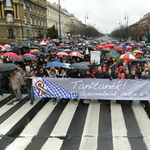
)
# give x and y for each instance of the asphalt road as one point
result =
(66, 126)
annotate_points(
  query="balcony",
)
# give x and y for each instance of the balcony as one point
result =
(8, 8)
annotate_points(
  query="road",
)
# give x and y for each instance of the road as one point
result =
(66, 126)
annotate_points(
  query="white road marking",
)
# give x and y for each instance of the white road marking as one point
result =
(6, 107)
(33, 127)
(64, 121)
(119, 131)
(90, 133)
(14, 118)
(52, 144)
(4, 96)
(143, 122)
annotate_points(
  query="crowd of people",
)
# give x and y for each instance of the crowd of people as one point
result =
(109, 68)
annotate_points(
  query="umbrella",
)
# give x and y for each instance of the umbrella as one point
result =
(37, 52)
(145, 59)
(8, 66)
(109, 55)
(24, 45)
(62, 53)
(146, 49)
(28, 42)
(29, 58)
(55, 64)
(68, 51)
(147, 55)
(36, 44)
(60, 50)
(85, 63)
(127, 57)
(78, 66)
(117, 49)
(29, 55)
(10, 54)
(7, 45)
(105, 49)
(53, 47)
(75, 54)
(128, 53)
(1, 47)
(138, 51)
(13, 43)
(110, 45)
(135, 59)
(34, 47)
(17, 59)
(78, 57)
(66, 65)
(128, 47)
(34, 50)
(101, 47)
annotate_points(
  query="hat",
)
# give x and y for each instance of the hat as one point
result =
(104, 68)
(93, 70)
(18, 65)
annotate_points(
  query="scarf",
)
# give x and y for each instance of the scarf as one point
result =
(52, 76)
(62, 75)
(100, 72)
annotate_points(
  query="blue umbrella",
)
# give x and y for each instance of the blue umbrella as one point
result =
(145, 59)
(36, 44)
(53, 47)
(54, 64)
(60, 50)
(28, 42)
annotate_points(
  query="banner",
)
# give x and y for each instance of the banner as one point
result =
(95, 57)
(92, 89)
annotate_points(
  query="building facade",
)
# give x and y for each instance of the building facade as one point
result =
(53, 18)
(23, 19)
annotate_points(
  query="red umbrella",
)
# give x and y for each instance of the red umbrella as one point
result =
(1, 47)
(127, 57)
(110, 45)
(117, 48)
(75, 54)
(100, 47)
(62, 53)
(11, 54)
(129, 47)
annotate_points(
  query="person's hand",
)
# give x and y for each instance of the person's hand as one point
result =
(94, 78)
(141, 79)
(69, 77)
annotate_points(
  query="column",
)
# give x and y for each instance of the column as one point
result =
(0, 11)
(14, 11)
(2, 7)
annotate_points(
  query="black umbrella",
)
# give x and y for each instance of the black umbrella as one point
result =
(78, 66)
(17, 59)
(146, 49)
(38, 52)
(34, 47)
(18, 46)
(29, 58)
(109, 55)
(8, 66)
(78, 57)
(24, 45)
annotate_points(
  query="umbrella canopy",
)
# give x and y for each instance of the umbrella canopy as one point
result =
(106, 49)
(28, 42)
(7, 45)
(109, 55)
(34, 50)
(55, 64)
(128, 47)
(62, 53)
(101, 47)
(34, 47)
(60, 50)
(138, 51)
(127, 57)
(78, 66)
(75, 54)
(110, 45)
(37, 52)
(146, 49)
(85, 63)
(135, 59)
(145, 59)
(117, 49)
(66, 65)
(29, 58)
(8, 66)
(29, 55)
(11, 54)
(17, 59)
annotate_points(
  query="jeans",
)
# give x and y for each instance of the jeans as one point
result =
(18, 94)
(30, 93)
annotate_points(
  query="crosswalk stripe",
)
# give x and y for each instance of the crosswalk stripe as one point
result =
(4, 96)
(119, 131)
(52, 144)
(20, 144)
(64, 121)
(14, 118)
(90, 132)
(143, 122)
(6, 107)
(33, 127)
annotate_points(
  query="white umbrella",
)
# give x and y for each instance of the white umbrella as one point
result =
(7, 45)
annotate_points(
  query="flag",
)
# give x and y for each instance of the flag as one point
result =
(42, 41)
(87, 51)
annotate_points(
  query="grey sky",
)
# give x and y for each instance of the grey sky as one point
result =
(105, 14)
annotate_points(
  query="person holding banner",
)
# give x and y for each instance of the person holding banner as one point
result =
(144, 77)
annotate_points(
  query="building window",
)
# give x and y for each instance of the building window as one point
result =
(25, 19)
(41, 12)
(42, 23)
(30, 8)
(24, 6)
(38, 22)
(32, 33)
(34, 9)
(35, 33)
(8, 3)
(27, 33)
(35, 21)
(31, 20)
(9, 18)
(10, 33)
(38, 11)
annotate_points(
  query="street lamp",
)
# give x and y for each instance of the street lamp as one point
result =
(127, 18)
(86, 17)
(120, 22)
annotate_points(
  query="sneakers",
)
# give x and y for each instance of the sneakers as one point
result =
(54, 103)
(143, 105)
(75, 103)
(31, 102)
(86, 101)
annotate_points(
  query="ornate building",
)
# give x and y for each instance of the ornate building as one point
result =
(23, 19)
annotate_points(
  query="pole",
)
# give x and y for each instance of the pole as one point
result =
(59, 21)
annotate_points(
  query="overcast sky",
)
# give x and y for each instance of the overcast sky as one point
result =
(105, 14)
